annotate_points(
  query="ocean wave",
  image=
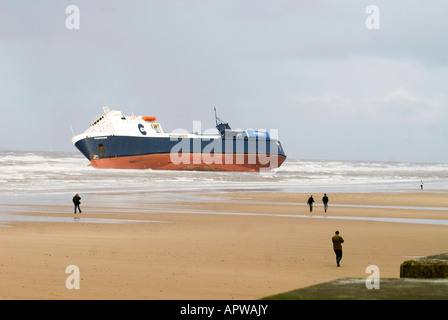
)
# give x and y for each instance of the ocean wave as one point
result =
(46, 172)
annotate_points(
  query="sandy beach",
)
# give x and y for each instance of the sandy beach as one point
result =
(224, 246)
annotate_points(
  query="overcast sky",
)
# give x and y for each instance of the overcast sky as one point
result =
(333, 88)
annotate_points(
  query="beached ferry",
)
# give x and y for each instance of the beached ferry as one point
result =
(116, 141)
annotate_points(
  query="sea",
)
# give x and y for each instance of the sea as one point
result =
(54, 177)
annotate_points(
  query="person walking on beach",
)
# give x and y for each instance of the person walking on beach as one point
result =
(337, 246)
(310, 203)
(77, 202)
(325, 201)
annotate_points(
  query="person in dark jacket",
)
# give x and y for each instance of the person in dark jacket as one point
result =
(337, 246)
(325, 201)
(77, 202)
(310, 203)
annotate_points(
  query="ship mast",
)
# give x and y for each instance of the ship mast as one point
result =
(221, 125)
(216, 118)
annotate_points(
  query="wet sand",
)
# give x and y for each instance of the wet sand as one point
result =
(225, 246)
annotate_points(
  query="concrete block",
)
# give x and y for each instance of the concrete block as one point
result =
(431, 267)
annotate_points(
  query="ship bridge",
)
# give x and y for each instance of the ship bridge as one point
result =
(114, 123)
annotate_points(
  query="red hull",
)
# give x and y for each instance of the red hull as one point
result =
(195, 163)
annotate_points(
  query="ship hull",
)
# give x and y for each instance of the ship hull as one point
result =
(198, 154)
(220, 162)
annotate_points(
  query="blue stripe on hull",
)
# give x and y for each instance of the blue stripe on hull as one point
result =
(124, 146)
